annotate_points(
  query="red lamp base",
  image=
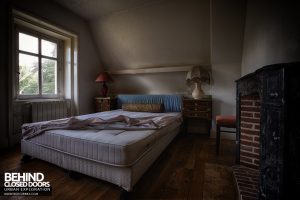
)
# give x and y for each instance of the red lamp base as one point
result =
(104, 89)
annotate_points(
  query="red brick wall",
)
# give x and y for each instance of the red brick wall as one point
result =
(246, 182)
(250, 131)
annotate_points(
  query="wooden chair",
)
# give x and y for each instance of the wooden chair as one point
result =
(224, 121)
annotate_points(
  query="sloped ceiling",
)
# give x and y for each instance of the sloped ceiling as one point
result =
(147, 33)
(93, 9)
(134, 34)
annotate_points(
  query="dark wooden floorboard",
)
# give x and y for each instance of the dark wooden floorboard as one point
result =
(177, 174)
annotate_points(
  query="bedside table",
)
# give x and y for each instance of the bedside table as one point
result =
(197, 109)
(105, 103)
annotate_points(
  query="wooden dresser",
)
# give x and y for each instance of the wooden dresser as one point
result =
(104, 103)
(197, 109)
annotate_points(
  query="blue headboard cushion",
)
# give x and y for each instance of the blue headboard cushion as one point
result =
(172, 103)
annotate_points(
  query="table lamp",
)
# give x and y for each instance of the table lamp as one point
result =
(197, 76)
(104, 78)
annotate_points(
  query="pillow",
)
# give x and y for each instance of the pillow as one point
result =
(141, 107)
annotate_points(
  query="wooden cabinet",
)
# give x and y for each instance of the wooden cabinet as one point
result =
(280, 175)
(105, 103)
(200, 109)
(271, 166)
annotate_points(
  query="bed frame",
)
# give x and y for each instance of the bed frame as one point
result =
(125, 177)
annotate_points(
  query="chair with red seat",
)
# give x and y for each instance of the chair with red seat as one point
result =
(224, 121)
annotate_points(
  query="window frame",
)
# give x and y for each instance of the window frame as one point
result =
(59, 58)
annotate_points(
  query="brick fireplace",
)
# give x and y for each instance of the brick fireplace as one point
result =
(247, 173)
(268, 133)
(250, 131)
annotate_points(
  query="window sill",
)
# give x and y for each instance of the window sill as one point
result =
(40, 100)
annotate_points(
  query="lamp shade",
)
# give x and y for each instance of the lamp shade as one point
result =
(103, 77)
(197, 76)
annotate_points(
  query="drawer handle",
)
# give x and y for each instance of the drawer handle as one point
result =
(196, 109)
(275, 94)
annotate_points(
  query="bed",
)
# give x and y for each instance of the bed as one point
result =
(119, 156)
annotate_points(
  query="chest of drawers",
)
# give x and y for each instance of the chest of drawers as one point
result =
(198, 109)
(104, 103)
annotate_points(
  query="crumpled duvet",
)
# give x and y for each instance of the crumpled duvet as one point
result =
(120, 122)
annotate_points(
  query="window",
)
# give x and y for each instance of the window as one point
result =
(38, 65)
(44, 62)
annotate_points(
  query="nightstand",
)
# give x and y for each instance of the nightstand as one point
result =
(105, 103)
(200, 109)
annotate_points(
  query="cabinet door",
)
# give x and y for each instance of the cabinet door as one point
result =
(273, 86)
(271, 153)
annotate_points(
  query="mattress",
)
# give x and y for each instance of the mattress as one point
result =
(120, 148)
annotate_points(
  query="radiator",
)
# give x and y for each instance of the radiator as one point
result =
(49, 110)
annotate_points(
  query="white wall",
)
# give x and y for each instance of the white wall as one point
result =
(272, 34)
(89, 62)
(226, 55)
(227, 29)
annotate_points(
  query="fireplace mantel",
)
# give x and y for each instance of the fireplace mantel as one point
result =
(276, 89)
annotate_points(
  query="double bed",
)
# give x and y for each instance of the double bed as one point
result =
(118, 155)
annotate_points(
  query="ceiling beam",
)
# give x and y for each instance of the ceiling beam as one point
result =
(152, 70)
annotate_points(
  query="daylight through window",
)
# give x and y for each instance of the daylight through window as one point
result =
(38, 62)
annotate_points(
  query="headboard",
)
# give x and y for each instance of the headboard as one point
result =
(172, 103)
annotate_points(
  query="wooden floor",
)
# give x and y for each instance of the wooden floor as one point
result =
(177, 174)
